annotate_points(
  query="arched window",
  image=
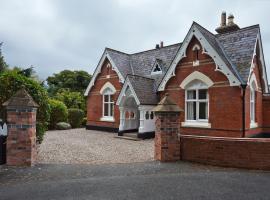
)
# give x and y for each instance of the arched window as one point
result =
(253, 103)
(108, 103)
(152, 115)
(196, 101)
(107, 91)
(196, 50)
(147, 115)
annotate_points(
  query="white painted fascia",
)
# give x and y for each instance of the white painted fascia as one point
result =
(207, 49)
(199, 76)
(122, 93)
(98, 70)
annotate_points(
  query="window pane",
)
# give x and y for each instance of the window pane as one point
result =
(191, 110)
(112, 110)
(191, 94)
(152, 115)
(203, 110)
(202, 94)
(106, 109)
(106, 98)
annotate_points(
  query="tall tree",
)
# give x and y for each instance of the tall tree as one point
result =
(3, 64)
(74, 81)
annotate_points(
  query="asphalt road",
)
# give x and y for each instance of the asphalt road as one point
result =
(150, 180)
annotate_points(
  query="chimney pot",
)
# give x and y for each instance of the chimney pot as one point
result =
(161, 44)
(157, 46)
(223, 19)
(230, 20)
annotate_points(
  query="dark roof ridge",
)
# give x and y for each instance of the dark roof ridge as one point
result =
(140, 76)
(241, 29)
(175, 44)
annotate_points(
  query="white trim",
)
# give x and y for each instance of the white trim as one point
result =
(107, 119)
(196, 124)
(153, 68)
(196, 75)
(107, 85)
(196, 47)
(123, 90)
(263, 64)
(207, 49)
(253, 79)
(253, 125)
(98, 70)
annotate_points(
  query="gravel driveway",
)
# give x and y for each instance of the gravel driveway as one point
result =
(80, 146)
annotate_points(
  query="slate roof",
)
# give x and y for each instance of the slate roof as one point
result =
(239, 46)
(235, 48)
(144, 88)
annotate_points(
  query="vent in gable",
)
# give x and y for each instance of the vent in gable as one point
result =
(156, 69)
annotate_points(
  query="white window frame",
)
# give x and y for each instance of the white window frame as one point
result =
(109, 92)
(252, 104)
(197, 122)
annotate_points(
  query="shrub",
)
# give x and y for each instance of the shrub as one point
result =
(71, 99)
(63, 126)
(58, 113)
(75, 117)
(11, 82)
(84, 121)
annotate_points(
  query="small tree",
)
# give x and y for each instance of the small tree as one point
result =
(75, 117)
(3, 64)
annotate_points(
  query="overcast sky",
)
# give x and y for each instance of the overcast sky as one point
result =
(53, 35)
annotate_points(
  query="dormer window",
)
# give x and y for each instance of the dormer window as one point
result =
(196, 50)
(156, 69)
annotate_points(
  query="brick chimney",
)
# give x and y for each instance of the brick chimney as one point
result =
(227, 27)
(161, 44)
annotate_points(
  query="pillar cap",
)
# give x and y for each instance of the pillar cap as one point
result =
(167, 105)
(21, 99)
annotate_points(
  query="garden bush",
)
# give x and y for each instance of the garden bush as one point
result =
(63, 126)
(58, 113)
(84, 121)
(75, 117)
(11, 82)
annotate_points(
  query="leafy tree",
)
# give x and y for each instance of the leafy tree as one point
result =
(11, 82)
(71, 99)
(3, 64)
(75, 81)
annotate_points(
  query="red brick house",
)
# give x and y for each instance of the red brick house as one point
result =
(219, 80)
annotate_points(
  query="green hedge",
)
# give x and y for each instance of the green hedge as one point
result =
(75, 117)
(11, 82)
(59, 113)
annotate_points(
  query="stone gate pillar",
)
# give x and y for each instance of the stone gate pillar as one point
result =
(167, 140)
(21, 120)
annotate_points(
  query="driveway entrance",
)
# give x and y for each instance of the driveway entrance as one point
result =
(80, 146)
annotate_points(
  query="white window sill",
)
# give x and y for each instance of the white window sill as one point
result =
(196, 124)
(253, 125)
(107, 119)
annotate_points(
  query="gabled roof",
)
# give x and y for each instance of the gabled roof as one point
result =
(144, 88)
(239, 46)
(231, 51)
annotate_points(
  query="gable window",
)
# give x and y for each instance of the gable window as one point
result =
(196, 50)
(156, 69)
(196, 104)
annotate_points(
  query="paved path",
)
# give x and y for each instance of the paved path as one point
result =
(80, 146)
(150, 180)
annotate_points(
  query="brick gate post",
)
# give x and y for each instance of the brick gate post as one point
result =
(167, 143)
(21, 120)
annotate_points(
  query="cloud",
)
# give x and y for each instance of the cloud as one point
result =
(53, 35)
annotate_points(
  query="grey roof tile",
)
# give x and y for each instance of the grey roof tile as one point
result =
(144, 88)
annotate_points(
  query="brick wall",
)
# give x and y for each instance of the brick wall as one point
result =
(266, 114)
(248, 153)
(94, 99)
